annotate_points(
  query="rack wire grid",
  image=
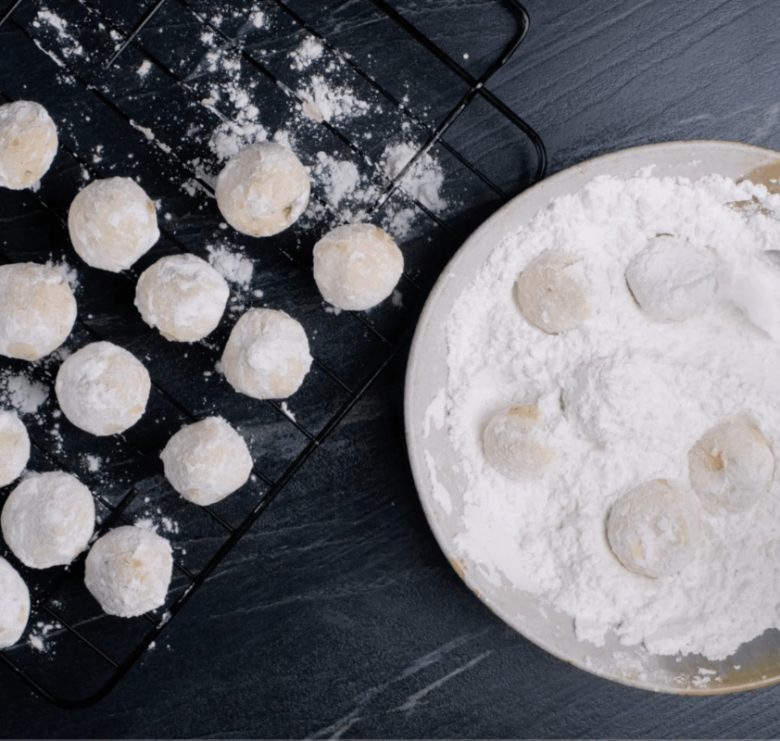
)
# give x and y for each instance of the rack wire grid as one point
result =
(140, 97)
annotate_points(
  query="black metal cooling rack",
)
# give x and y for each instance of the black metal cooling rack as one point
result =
(131, 97)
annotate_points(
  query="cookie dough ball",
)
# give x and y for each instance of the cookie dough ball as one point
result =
(554, 291)
(28, 143)
(515, 443)
(14, 447)
(357, 266)
(731, 467)
(37, 310)
(102, 388)
(14, 604)
(654, 529)
(112, 223)
(263, 189)
(48, 519)
(267, 355)
(206, 461)
(128, 571)
(183, 296)
(672, 279)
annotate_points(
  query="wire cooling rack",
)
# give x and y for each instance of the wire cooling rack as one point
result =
(143, 97)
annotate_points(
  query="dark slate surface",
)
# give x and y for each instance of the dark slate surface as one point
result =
(337, 615)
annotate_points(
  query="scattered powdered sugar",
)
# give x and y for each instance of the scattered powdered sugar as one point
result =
(230, 264)
(607, 432)
(324, 101)
(22, 393)
(422, 181)
(144, 69)
(311, 48)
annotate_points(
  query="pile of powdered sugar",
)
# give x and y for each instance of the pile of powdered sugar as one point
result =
(624, 399)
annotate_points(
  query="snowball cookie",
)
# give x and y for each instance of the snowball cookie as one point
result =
(654, 529)
(37, 310)
(48, 519)
(731, 467)
(112, 223)
(357, 266)
(267, 355)
(28, 143)
(619, 397)
(553, 292)
(672, 279)
(102, 388)
(128, 571)
(515, 443)
(183, 296)
(263, 189)
(14, 604)
(14, 447)
(206, 461)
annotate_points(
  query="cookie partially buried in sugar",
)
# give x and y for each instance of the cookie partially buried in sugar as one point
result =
(263, 189)
(654, 529)
(112, 223)
(731, 466)
(515, 443)
(102, 388)
(28, 144)
(357, 266)
(37, 310)
(672, 279)
(182, 296)
(207, 461)
(554, 292)
(128, 571)
(48, 519)
(14, 604)
(14, 447)
(267, 355)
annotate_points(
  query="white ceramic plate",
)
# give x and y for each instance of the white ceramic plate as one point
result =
(433, 459)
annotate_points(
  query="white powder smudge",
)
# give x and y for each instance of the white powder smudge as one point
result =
(69, 47)
(423, 180)
(231, 265)
(440, 493)
(24, 394)
(93, 462)
(287, 411)
(144, 69)
(326, 102)
(311, 48)
(398, 299)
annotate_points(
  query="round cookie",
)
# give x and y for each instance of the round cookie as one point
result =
(672, 279)
(731, 467)
(102, 388)
(14, 604)
(357, 266)
(14, 447)
(182, 296)
(263, 189)
(207, 461)
(128, 571)
(28, 144)
(654, 529)
(37, 310)
(48, 519)
(267, 355)
(553, 292)
(112, 223)
(515, 443)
